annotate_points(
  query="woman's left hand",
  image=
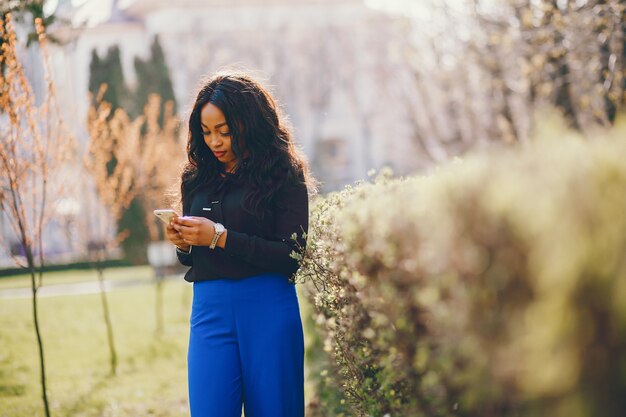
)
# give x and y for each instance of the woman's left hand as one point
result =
(196, 231)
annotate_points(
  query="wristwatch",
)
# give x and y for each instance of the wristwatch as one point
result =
(219, 229)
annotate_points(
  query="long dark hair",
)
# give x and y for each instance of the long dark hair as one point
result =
(254, 121)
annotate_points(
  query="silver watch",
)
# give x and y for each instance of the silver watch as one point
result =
(219, 229)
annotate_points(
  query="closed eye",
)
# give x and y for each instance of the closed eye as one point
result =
(225, 134)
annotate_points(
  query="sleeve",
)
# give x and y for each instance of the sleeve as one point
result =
(274, 254)
(185, 257)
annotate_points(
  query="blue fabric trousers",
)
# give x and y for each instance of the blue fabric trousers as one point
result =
(246, 346)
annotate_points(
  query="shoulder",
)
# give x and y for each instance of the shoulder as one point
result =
(294, 180)
(293, 191)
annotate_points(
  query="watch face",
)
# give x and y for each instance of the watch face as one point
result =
(219, 228)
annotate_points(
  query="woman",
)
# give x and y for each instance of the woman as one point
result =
(245, 193)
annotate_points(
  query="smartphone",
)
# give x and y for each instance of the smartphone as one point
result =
(165, 215)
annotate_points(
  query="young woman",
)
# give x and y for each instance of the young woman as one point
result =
(245, 193)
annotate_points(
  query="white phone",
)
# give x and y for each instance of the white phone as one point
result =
(165, 215)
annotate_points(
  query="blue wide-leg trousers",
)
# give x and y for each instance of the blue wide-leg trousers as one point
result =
(246, 346)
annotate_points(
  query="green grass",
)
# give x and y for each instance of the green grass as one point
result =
(152, 374)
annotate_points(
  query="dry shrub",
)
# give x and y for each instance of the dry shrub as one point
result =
(161, 161)
(111, 161)
(132, 158)
(36, 153)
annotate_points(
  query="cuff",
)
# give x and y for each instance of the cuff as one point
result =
(179, 250)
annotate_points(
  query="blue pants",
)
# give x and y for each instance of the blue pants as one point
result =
(246, 345)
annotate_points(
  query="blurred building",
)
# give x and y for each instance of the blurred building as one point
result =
(329, 62)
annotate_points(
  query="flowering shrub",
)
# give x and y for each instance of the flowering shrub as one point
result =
(495, 286)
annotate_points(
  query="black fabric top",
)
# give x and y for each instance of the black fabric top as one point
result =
(252, 246)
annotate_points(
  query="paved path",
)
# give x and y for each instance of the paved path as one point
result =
(78, 288)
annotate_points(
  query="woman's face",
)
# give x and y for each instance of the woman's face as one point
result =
(217, 135)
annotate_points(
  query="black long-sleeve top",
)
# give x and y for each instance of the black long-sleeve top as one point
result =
(252, 246)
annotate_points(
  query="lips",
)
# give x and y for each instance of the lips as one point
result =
(219, 154)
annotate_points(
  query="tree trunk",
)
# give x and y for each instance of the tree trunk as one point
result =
(34, 287)
(107, 320)
(159, 300)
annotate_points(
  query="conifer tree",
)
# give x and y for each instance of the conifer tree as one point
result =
(108, 70)
(153, 77)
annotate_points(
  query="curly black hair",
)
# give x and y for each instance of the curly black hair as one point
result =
(256, 122)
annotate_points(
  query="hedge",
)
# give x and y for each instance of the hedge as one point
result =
(494, 286)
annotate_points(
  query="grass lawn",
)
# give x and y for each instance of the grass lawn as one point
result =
(152, 374)
(72, 276)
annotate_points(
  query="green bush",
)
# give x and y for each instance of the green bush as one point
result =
(495, 286)
(355, 378)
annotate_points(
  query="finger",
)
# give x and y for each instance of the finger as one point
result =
(187, 220)
(189, 234)
(185, 229)
(187, 240)
(177, 240)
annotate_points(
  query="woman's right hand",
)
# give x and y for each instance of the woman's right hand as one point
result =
(175, 237)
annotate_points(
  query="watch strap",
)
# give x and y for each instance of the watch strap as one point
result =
(216, 237)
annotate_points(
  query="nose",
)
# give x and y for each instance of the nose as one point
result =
(214, 140)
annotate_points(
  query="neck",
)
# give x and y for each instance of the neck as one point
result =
(229, 169)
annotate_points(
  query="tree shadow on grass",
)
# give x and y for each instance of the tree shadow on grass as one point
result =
(8, 386)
